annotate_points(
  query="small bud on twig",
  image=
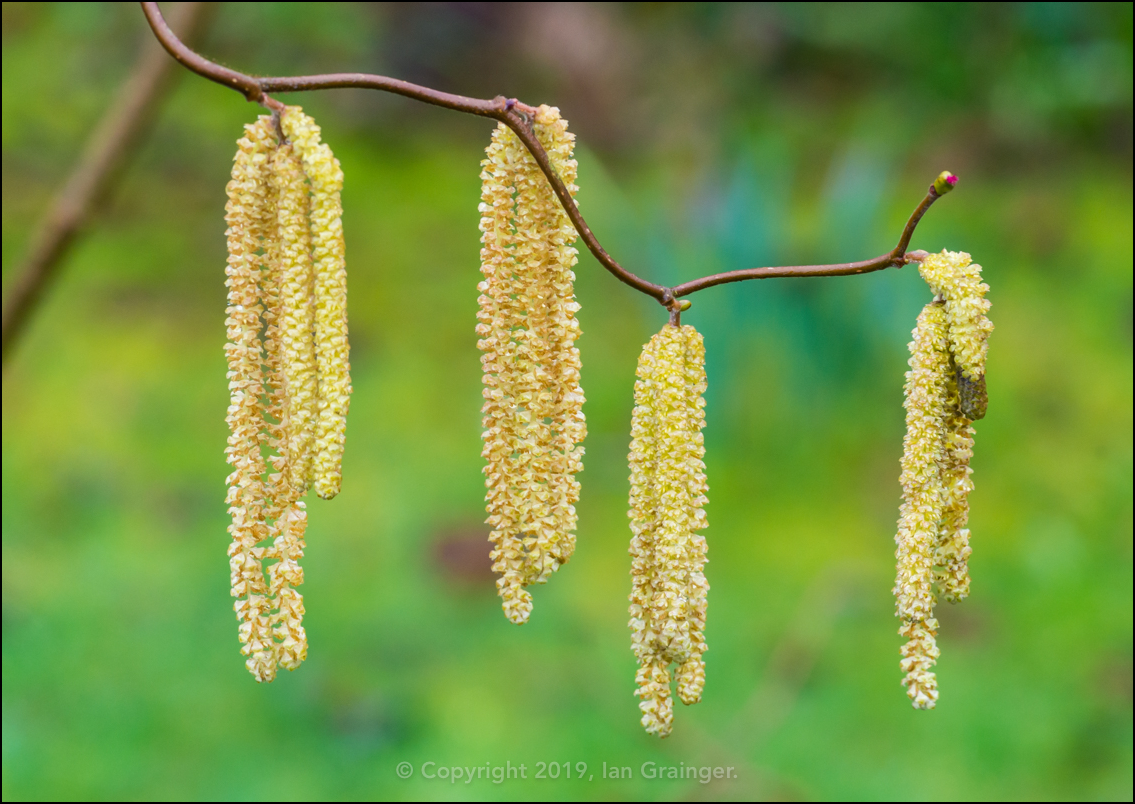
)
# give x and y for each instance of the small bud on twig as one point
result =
(945, 182)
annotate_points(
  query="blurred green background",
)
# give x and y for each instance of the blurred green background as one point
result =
(711, 137)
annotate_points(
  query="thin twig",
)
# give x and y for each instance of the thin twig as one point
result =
(105, 155)
(516, 116)
(896, 257)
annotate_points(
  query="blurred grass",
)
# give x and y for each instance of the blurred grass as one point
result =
(710, 138)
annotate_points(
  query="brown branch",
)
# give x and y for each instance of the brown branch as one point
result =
(896, 257)
(105, 155)
(516, 116)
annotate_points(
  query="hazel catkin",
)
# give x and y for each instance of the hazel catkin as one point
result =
(289, 389)
(667, 499)
(247, 213)
(332, 350)
(292, 243)
(945, 392)
(532, 413)
(921, 510)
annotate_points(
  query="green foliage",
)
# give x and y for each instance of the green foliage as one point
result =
(764, 135)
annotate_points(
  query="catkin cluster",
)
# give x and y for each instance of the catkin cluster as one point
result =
(668, 492)
(532, 413)
(945, 392)
(288, 373)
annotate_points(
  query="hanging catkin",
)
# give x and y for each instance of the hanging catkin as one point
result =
(289, 391)
(287, 289)
(921, 510)
(248, 213)
(292, 244)
(668, 492)
(332, 350)
(945, 392)
(532, 413)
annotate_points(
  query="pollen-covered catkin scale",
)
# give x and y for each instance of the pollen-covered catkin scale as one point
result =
(923, 501)
(247, 214)
(667, 499)
(532, 413)
(330, 291)
(290, 647)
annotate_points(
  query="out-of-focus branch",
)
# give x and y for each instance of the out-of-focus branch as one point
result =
(106, 154)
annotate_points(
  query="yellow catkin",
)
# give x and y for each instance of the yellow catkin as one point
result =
(954, 276)
(957, 281)
(532, 413)
(247, 214)
(332, 350)
(275, 435)
(292, 243)
(289, 642)
(951, 557)
(291, 392)
(667, 499)
(923, 500)
(270, 286)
